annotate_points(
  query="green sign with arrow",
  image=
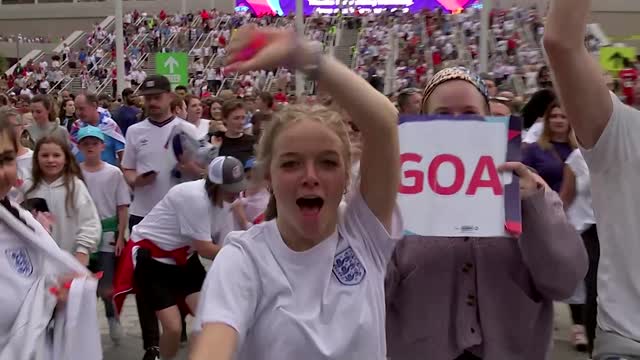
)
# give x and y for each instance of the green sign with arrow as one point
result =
(612, 58)
(174, 66)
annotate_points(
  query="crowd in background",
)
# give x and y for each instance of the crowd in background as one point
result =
(425, 42)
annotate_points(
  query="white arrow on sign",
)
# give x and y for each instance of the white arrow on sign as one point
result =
(171, 63)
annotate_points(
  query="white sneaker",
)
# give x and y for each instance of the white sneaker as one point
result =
(115, 330)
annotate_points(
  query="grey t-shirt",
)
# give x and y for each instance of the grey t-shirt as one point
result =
(36, 132)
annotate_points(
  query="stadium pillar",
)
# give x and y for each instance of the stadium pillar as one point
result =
(300, 30)
(119, 48)
(484, 36)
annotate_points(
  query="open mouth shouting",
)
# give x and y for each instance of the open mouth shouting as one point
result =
(310, 206)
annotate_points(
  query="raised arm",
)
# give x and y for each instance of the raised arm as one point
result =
(370, 110)
(577, 76)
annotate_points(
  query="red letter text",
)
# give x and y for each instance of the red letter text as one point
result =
(433, 174)
(493, 182)
(417, 175)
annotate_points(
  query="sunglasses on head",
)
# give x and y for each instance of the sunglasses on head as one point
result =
(409, 91)
(501, 99)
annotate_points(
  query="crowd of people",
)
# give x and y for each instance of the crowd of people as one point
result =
(425, 41)
(297, 197)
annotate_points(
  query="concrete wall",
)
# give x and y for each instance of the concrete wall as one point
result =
(54, 28)
(10, 50)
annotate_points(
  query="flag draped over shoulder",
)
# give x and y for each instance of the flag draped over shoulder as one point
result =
(74, 333)
(108, 126)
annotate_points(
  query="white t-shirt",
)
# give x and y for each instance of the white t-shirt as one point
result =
(211, 74)
(179, 219)
(326, 303)
(145, 150)
(108, 189)
(614, 163)
(25, 163)
(580, 213)
(203, 127)
(533, 134)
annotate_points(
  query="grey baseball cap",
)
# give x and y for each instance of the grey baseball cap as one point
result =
(228, 172)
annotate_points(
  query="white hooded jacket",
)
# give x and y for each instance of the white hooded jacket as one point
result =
(77, 232)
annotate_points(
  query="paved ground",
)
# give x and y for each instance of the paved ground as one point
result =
(130, 349)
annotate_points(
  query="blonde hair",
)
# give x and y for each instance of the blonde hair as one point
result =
(545, 138)
(7, 112)
(294, 114)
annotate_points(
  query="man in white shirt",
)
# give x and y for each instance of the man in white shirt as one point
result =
(608, 133)
(192, 219)
(147, 165)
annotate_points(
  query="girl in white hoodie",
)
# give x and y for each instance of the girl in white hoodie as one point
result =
(57, 179)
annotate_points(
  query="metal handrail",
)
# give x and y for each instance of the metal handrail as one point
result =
(103, 85)
(201, 44)
(196, 21)
(226, 80)
(52, 89)
(142, 59)
(267, 82)
(79, 38)
(195, 43)
(354, 54)
(212, 61)
(68, 81)
(221, 86)
(169, 40)
(140, 20)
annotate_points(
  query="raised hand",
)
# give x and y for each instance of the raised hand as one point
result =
(530, 182)
(254, 48)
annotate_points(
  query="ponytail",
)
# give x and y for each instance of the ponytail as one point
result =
(271, 212)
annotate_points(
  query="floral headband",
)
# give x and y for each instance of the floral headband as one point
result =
(454, 73)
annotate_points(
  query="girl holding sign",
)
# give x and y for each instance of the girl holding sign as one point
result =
(313, 273)
(482, 298)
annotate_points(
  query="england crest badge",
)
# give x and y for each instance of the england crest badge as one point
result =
(347, 267)
(20, 261)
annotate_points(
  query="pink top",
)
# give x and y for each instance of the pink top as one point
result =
(490, 296)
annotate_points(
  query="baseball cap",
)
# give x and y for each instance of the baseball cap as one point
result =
(90, 131)
(227, 172)
(155, 84)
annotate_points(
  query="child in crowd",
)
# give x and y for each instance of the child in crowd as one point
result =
(111, 197)
(247, 210)
(57, 179)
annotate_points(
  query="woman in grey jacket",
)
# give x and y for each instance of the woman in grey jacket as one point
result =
(468, 298)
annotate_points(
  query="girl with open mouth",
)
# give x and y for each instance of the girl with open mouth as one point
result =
(308, 283)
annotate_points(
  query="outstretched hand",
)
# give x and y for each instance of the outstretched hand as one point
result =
(254, 48)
